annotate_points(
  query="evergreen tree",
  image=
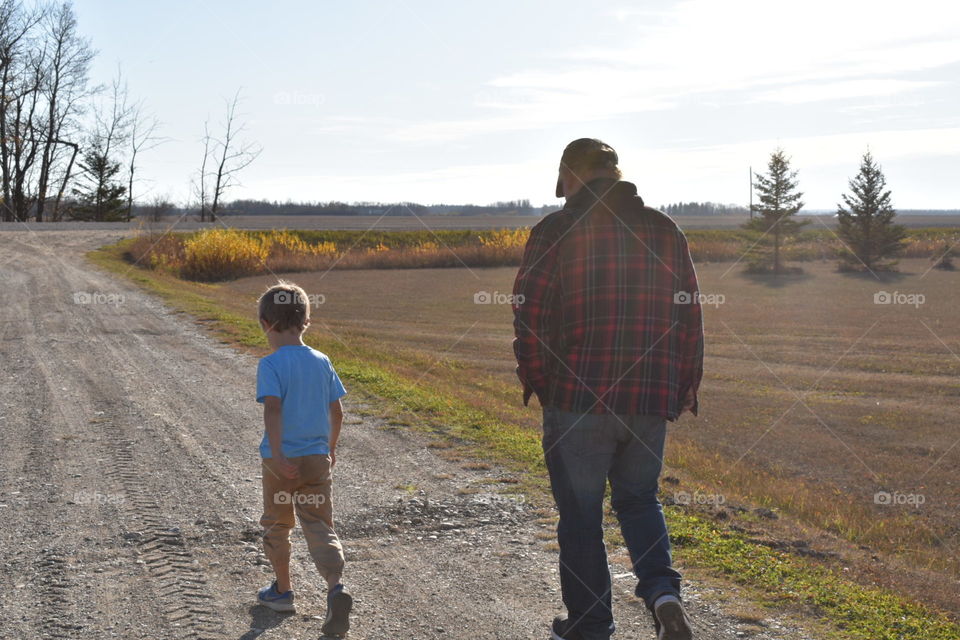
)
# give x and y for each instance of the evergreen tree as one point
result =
(779, 202)
(866, 224)
(99, 195)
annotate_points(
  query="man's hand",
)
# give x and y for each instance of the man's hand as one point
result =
(333, 458)
(287, 468)
(687, 404)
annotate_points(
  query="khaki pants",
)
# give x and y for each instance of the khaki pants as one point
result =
(310, 497)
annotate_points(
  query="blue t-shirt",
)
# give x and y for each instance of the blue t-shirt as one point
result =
(306, 384)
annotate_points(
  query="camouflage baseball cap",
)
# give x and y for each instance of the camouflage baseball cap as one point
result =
(588, 153)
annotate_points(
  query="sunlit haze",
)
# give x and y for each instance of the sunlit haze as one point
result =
(473, 102)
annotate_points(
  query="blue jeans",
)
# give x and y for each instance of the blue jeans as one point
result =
(582, 452)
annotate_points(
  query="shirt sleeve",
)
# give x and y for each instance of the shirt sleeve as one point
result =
(268, 382)
(533, 314)
(336, 390)
(691, 333)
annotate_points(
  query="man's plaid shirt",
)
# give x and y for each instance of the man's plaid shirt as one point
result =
(606, 308)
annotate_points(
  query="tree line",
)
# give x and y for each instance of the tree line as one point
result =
(249, 207)
(703, 209)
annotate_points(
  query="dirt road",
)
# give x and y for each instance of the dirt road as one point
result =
(130, 490)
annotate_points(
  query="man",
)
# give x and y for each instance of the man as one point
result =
(609, 337)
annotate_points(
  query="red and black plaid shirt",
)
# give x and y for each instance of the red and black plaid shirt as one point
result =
(607, 313)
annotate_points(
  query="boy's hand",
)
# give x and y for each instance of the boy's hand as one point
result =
(336, 422)
(287, 468)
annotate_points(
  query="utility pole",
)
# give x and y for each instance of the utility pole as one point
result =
(751, 193)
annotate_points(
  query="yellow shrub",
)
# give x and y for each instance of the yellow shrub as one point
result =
(220, 254)
(427, 247)
(286, 240)
(505, 238)
(324, 249)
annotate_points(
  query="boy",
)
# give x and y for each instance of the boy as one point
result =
(302, 416)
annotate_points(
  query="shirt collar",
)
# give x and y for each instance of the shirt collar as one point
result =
(602, 188)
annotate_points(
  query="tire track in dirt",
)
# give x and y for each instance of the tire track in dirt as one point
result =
(55, 590)
(58, 614)
(178, 579)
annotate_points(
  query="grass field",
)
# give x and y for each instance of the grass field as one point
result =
(814, 400)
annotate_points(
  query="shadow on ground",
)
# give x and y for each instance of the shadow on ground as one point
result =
(262, 619)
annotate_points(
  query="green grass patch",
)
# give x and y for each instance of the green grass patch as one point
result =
(857, 612)
(860, 612)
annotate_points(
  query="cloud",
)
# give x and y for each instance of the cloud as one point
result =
(756, 50)
(845, 148)
(818, 92)
(706, 45)
(539, 110)
(477, 183)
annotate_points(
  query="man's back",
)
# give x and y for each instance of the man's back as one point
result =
(609, 322)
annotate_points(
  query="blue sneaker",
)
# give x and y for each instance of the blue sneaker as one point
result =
(339, 604)
(273, 599)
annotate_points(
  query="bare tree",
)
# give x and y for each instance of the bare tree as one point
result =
(200, 184)
(231, 155)
(24, 121)
(64, 87)
(64, 179)
(18, 79)
(143, 127)
(113, 119)
(101, 196)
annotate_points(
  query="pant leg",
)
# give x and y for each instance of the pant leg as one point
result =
(277, 519)
(578, 449)
(314, 507)
(634, 478)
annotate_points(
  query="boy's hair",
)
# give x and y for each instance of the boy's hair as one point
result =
(285, 306)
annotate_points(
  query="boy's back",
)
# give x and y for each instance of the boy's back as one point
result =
(306, 383)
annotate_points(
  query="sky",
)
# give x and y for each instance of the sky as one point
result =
(457, 102)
